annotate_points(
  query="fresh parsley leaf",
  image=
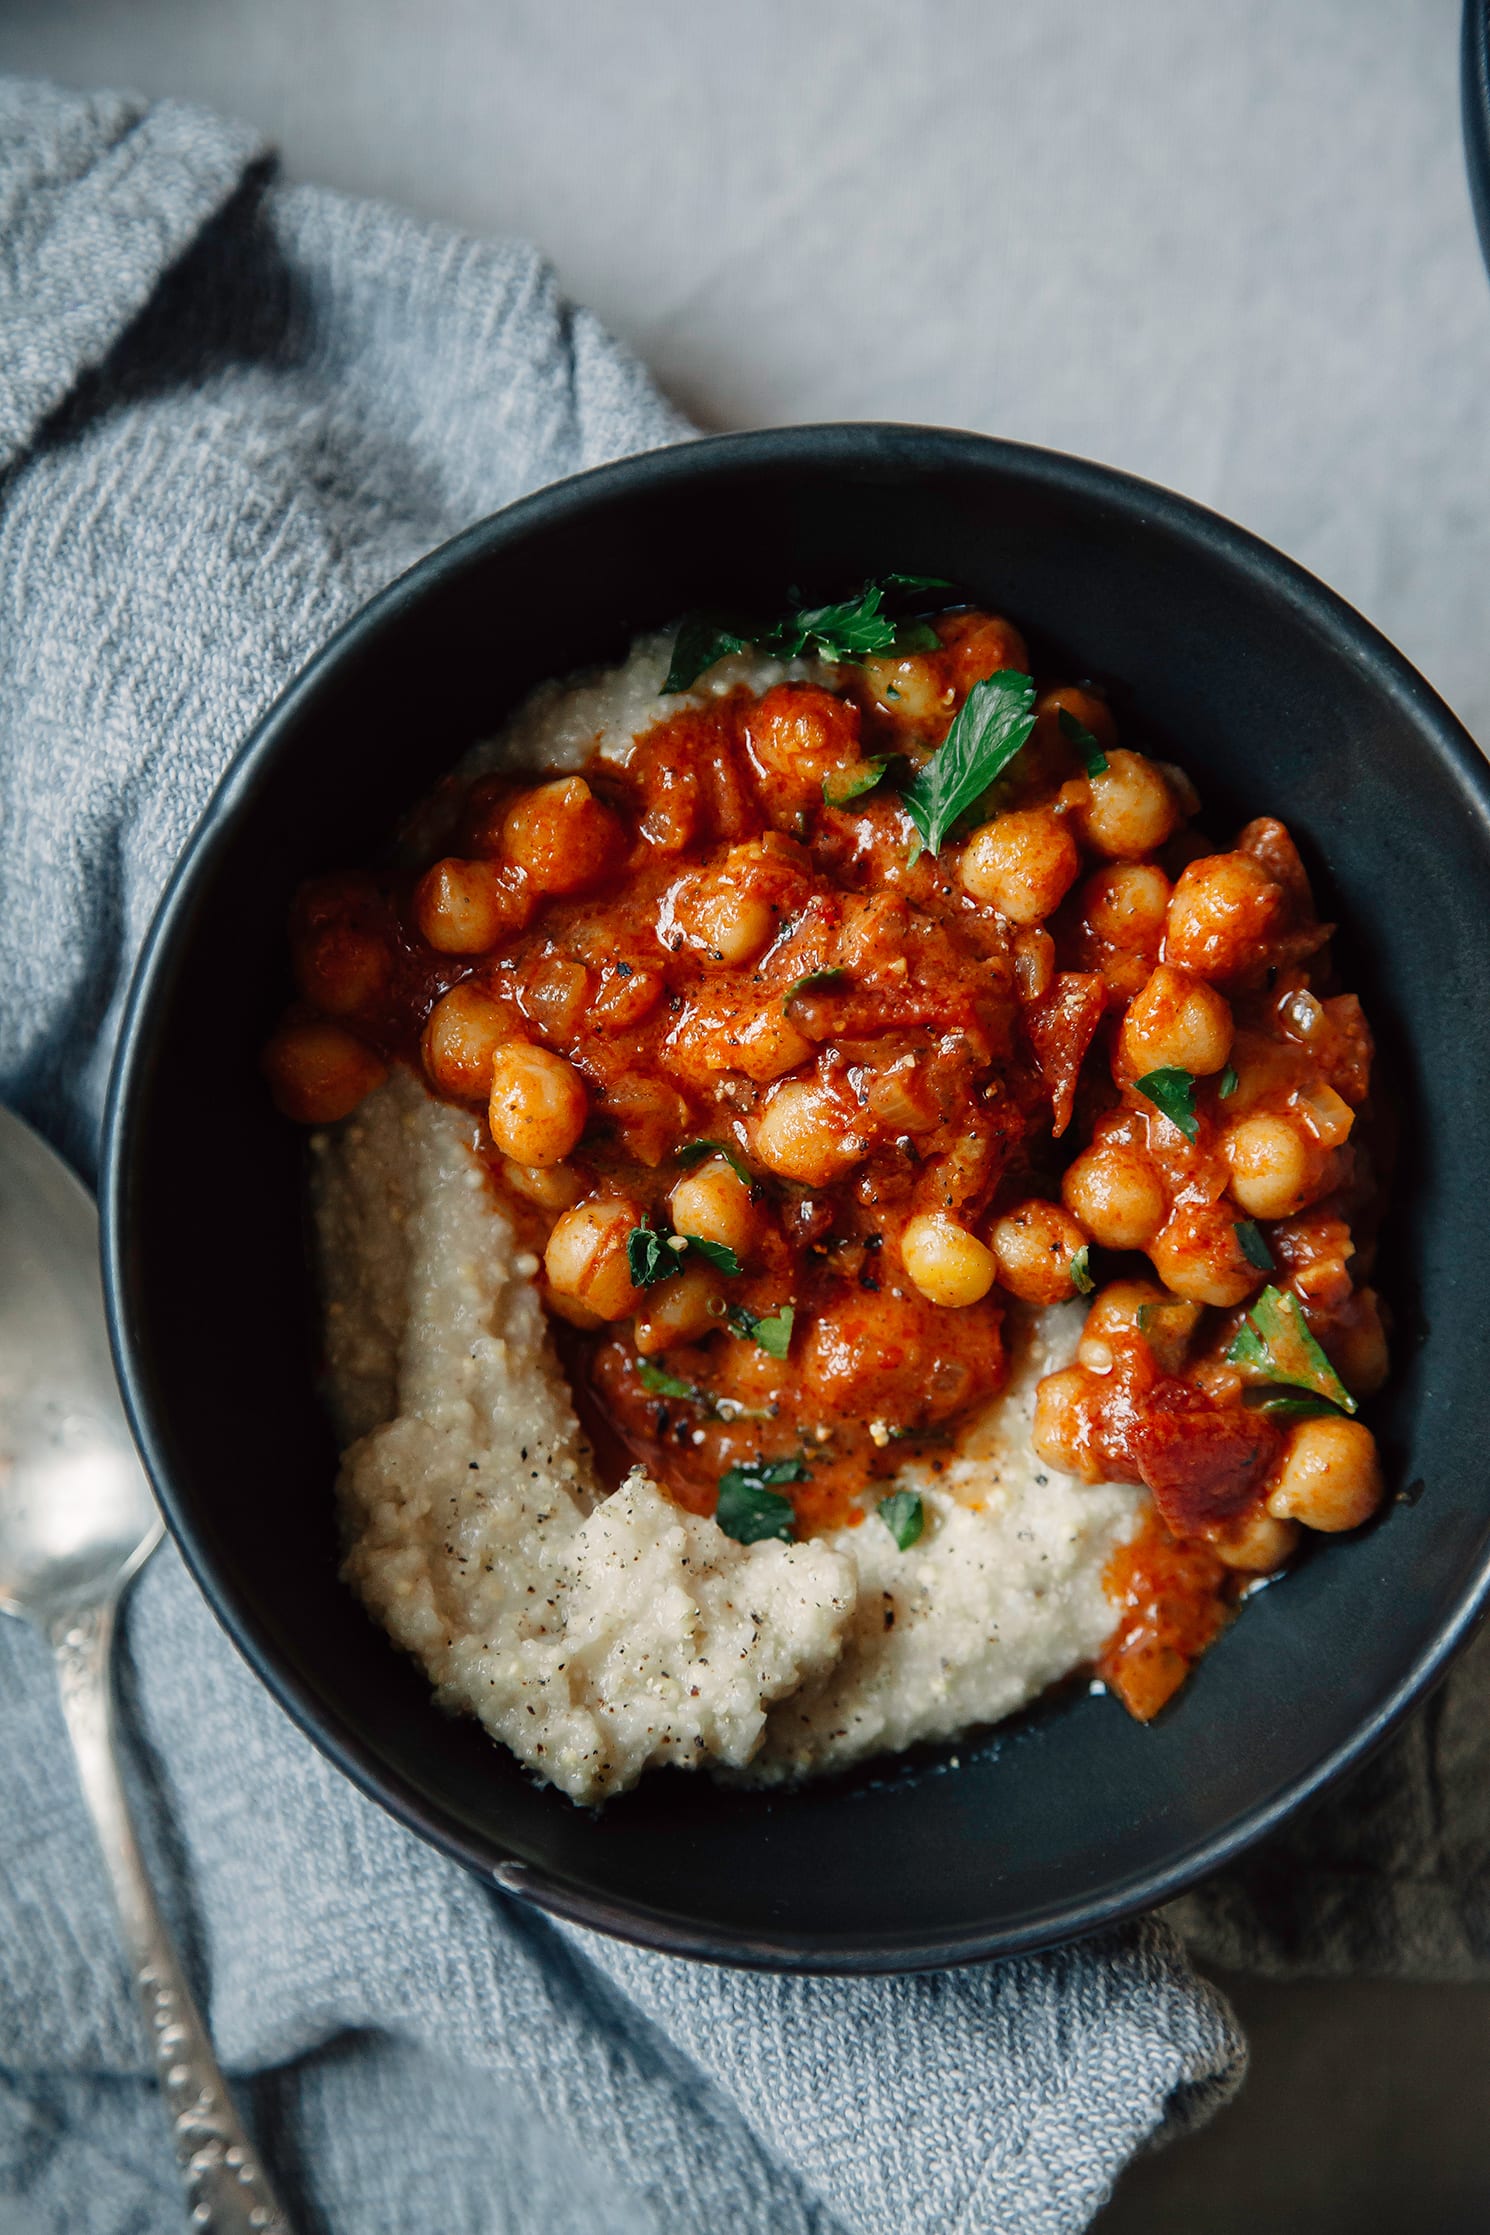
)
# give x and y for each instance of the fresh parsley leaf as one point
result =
(666, 1385)
(850, 630)
(813, 981)
(852, 783)
(1229, 1083)
(1288, 1404)
(1081, 1270)
(771, 1333)
(702, 639)
(1172, 1091)
(649, 1258)
(694, 1152)
(1254, 1246)
(904, 1516)
(992, 724)
(748, 1509)
(1274, 1343)
(1082, 738)
(717, 1254)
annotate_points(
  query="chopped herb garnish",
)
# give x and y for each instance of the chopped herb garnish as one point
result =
(648, 1257)
(1082, 738)
(1081, 1270)
(852, 783)
(1173, 1091)
(904, 1516)
(694, 1152)
(771, 1333)
(1274, 1343)
(915, 636)
(701, 640)
(813, 981)
(1254, 1246)
(1229, 1083)
(717, 1254)
(748, 1509)
(1288, 1404)
(850, 630)
(666, 1385)
(992, 724)
(853, 629)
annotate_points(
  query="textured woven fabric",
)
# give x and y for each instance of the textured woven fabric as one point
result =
(229, 411)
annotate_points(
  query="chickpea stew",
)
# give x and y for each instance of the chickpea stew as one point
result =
(825, 1037)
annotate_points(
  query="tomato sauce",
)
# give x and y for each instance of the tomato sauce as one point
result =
(909, 1082)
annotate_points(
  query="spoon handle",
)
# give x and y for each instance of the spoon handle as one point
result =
(228, 2190)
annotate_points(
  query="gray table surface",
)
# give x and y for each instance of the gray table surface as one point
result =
(1226, 246)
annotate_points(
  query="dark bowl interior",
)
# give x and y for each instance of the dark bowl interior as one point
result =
(1475, 91)
(1276, 697)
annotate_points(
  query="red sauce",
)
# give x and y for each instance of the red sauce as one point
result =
(735, 916)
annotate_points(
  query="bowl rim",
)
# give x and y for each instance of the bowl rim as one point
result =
(817, 446)
(1474, 91)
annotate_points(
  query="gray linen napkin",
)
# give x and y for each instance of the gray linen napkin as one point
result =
(229, 411)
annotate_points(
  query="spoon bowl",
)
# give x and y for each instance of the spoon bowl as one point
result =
(76, 1515)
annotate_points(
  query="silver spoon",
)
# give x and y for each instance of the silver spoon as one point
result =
(77, 1521)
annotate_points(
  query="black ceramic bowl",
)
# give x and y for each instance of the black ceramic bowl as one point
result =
(1276, 697)
(1475, 91)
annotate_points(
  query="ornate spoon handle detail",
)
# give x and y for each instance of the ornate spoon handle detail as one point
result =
(228, 2190)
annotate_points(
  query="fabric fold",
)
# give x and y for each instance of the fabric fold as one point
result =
(98, 196)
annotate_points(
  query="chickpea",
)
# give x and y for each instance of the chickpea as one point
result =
(1330, 1478)
(1274, 1170)
(802, 733)
(1224, 908)
(1197, 1255)
(1063, 1432)
(1023, 864)
(1358, 1343)
(1130, 809)
(1257, 1544)
(726, 919)
(586, 1256)
(911, 689)
(563, 836)
(1125, 905)
(341, 967)
(319, 1072)
(801, 1134)
(714, 1203)
(679, 1310)
(553, 1187)
(1115, 1190)
(1093, 713)
(1034, 1245)
(1137, 1307)
(538, 1104)
(949, 1265)
(465, 1029)
(977, 645)
(467, 907)
(1175, 1021)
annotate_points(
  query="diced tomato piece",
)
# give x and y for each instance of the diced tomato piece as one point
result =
(1202, 1461)
(1060, 1028)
